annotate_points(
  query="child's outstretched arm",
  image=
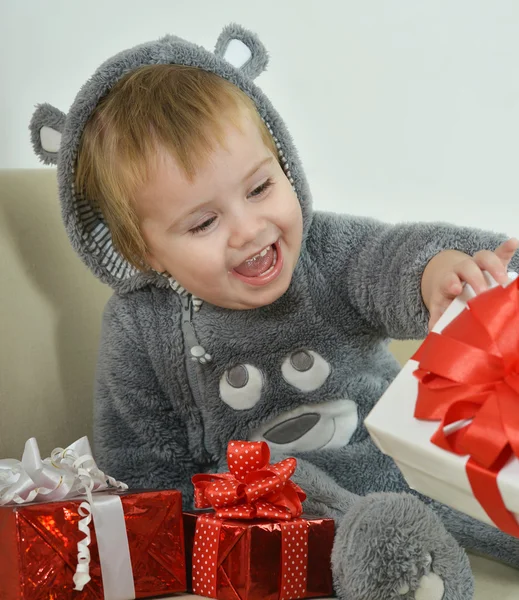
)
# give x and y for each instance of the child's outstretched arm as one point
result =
(140, 433)
(378, 268)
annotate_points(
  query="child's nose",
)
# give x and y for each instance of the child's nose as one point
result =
(246, 231)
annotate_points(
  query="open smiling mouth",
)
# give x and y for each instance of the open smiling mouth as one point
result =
(262, 268)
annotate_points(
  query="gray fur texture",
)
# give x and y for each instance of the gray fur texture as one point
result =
(259, 56)
(412, 550)
(160, 418)
(45, 115)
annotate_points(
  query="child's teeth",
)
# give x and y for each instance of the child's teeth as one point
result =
(261, 254)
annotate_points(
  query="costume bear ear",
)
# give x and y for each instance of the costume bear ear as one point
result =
(243, 50)
(46, 126)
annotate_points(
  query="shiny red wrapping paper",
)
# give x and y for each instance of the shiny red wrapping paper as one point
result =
(38, 548)
(249, 558)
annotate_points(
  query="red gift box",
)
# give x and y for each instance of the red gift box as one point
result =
(38, 548)
(273, 554)
(249, 563)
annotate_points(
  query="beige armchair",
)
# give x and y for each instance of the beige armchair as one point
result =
(50, 314)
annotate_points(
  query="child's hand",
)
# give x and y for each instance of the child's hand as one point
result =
(445, 274)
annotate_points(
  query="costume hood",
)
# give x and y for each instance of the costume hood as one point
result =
(239, 57)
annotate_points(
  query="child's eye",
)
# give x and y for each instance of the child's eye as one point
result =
(203, 225)
(261, 189)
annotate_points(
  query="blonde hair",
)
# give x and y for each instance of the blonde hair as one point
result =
(181, 109)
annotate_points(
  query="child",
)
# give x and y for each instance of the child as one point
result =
(239, 313)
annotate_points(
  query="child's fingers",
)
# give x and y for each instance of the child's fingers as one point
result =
(506, 250)
(470, 272)
(451, 285)
(491, 262)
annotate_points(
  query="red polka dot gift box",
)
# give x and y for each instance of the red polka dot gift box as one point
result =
(255, 543)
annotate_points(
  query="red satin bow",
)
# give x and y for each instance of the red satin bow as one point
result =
(253, 488)
(469, 379)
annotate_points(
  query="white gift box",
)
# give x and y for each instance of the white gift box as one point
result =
(428, 469)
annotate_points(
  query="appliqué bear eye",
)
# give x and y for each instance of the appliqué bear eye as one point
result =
(302, 361)
(240, 387)
(306, 370)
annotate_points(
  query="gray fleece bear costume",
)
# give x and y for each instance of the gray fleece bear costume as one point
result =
(178, 378)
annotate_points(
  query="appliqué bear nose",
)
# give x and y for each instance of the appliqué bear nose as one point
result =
(292, 429)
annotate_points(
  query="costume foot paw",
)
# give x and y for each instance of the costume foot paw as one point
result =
(430, 586)
(392, 547)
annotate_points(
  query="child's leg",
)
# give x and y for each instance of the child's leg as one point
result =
(366, 467)
(387, 546)
(478, 537)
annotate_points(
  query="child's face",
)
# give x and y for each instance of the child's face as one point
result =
(209, 233)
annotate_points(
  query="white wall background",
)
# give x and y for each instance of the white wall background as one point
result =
(402, 110)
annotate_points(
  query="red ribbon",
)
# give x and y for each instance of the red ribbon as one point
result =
(469, 379)
(253, 488)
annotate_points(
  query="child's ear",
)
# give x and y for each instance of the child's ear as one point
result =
(46, 127)
(243, 50)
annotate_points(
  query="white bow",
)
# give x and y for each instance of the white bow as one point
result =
(68, 473)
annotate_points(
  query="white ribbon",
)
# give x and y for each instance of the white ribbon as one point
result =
(109, 518)
(72, 473)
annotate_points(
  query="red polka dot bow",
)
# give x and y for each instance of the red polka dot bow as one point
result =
(253, 488)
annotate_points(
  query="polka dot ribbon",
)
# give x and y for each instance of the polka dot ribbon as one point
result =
(253, 488)
(294, 557)
(294, 554)
(205, 556)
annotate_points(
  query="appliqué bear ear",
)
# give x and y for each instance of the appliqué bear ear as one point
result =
(46, 127)
(243, 50)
